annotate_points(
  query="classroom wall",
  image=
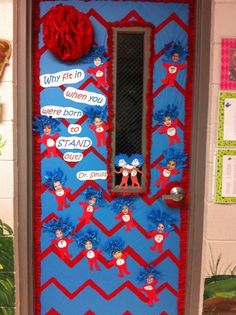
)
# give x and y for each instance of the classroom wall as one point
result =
(7, 166)
(220, 231)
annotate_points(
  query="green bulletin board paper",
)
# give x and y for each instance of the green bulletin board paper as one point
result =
(225, 176)
(227, 123)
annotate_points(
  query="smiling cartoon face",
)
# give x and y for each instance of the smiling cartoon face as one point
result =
(97, 61)
(171, 165)
(175, 57)
(59, 234)
(47, 130)
(57, 185)
(122, 163)
(135, 162)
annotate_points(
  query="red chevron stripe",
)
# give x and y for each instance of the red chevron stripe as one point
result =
(165, 255)
(132, 15)
(42, 50)
(158, 160)
(89, 313)
(90, 283)
(84, 85)
(95, 152)
(52, 311)
(49, 218)
(171, 18)
(132, 253)
(86, 184)
(127, 313)
(79, 122)
(180, 89)
(167, 286)
(115, 229)
(158, 90)
(150, 200)
(163, 313)
(85, 153)
(154, 128)
(98, 17)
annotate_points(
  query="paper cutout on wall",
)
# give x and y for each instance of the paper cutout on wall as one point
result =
(5, 53)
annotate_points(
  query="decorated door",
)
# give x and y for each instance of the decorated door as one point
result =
(112, 128)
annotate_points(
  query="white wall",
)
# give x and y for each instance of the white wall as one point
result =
(220, 219)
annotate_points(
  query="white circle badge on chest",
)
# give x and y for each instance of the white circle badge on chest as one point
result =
(120, 262)
(90, 254)
(50, 143)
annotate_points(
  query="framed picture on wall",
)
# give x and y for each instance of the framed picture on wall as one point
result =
(227, 119)
(228, 63)
(225, 176)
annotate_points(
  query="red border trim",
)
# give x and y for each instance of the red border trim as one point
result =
(187, 144)
(36, 164)
(149, 102)
(186, 171)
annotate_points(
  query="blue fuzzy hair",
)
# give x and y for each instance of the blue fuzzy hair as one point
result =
(174, 155)
(96, 193)
(138, 157)
(96, 111)
(156, 217)
(114, 245)
(145, 272)
(90, 235)
(175, 47)
(56, 175)
(121, 201)
(171, 111)
(63, 225)
(119, 157)
(95, 52)
(41, 121)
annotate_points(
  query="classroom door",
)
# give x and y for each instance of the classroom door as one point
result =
(112, 134)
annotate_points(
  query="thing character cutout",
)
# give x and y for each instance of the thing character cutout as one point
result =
(61, 229)
(100, 62)
(172, 162)
(122, 206)
(121, 161)
(163, 224)
(92, 197)
(136, 161)
(55, 181)
(149, 276)
(174, 62)
(115, 248)
(88, 240)
(97, 116)
(168, 122)
(49, 132)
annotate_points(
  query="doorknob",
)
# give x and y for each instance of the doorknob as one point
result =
(176, 194)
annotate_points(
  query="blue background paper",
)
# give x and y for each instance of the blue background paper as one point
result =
(51, 265)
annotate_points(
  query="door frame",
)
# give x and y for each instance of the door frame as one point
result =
(23, 176)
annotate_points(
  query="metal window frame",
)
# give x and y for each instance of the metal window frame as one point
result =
(146, 58)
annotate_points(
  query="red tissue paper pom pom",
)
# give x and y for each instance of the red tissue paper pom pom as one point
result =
(68, 33)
